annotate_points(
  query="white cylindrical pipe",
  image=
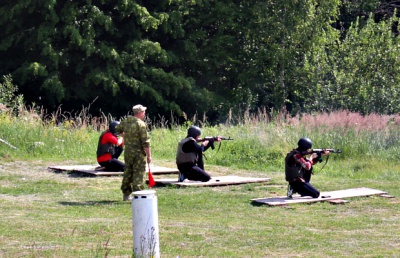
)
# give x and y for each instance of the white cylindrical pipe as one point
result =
(145, 224)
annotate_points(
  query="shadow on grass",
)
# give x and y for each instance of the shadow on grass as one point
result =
(92, 203)
(70, 173)
(257, 204)
(76, 174)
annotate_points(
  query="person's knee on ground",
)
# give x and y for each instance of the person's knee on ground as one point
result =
(206, 179)
(315, 195)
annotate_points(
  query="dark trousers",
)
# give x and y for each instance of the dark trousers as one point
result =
(114, 165)
(305, 188)
(193, 172)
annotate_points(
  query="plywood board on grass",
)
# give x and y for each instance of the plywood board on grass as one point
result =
(96, 170)
(215, 181)
(325, 196)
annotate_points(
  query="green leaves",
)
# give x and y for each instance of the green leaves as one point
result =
(8, 97)
(367, 71)
(202, 56)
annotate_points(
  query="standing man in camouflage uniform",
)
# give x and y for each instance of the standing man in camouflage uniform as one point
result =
(137, 151)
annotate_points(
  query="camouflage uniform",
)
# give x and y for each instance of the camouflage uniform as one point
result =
(136, 139)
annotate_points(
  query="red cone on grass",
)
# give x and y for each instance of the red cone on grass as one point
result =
(151, 179)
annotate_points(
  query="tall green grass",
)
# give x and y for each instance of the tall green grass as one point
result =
(260, 143)
(48, 214)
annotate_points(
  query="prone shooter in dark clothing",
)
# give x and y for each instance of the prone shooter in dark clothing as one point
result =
(189, 156)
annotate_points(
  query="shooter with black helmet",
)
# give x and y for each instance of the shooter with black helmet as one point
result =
(109, 149)
(298, 169)
(189, 156)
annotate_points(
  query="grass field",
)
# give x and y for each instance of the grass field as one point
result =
(48, 214)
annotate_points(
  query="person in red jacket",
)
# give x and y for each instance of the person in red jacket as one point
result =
(109, 149)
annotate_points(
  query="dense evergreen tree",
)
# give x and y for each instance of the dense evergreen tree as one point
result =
(214, 49)
(203, 57)
(73, 52)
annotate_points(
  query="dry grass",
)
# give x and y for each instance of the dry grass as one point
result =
(345, 120)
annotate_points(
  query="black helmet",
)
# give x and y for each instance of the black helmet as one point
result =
(194, 131)
(304, 144)
(112, 126)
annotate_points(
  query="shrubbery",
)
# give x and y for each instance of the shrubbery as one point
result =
(9, 101)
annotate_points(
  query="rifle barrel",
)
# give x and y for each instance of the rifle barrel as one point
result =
(213, 138)
(9, 144)
(322, 150)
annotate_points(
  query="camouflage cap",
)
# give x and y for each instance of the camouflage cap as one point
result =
(138, 108)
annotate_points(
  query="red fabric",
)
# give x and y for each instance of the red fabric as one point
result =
(304, 162)
(151, 179)
(108, 137)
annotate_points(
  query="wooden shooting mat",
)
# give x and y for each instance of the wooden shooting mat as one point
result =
(215, 181)
(96, 170)
(332, 196)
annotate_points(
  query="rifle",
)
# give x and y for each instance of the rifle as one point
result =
(319, 154)
(319, 151)
(214, 138)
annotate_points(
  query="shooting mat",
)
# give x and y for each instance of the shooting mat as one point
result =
(333, 195)
(215, 181)
(96, 170)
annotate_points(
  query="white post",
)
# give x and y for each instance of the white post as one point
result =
(145, 224)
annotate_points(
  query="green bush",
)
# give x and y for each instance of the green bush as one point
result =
(8, 98)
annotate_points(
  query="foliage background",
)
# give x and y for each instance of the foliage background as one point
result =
(261, 72)
(197, 57)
